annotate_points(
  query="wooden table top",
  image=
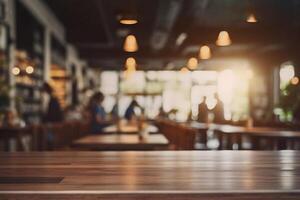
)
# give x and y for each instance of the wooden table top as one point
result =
(127, 128)
(121, 142)
(121, 129)
(164, 175)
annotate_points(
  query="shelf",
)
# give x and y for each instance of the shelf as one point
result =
(30, 113)
(60, 78)
(21, 85)
(32, 101)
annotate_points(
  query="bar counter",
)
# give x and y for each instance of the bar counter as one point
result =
(183, 175)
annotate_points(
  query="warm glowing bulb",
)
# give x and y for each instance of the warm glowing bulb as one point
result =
(130, 44)
(192, 63)
(205, 52)
(29, 69)
(184, 70)
(251, 18)
(223, 39)
(295, 80)
(128, 21)
(16, 71)
(130, 63)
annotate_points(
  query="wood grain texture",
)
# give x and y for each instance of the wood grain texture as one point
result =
(121, 142)
(154, 175)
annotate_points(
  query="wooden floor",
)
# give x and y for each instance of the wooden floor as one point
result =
(151, 175)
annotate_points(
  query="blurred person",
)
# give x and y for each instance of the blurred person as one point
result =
(86, 94)
(97, 113)
(130, 111)
(162, 113)
(218, 111)
(51, 107)
(114, 112)
(203, 111)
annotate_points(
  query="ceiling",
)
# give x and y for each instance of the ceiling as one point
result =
(92, 26)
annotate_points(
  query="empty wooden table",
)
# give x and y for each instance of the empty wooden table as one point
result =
(121, 129)
(274, 136)
(128, 128)
(228, 135)
(122, 142)
(151, 175)
(7, 133)
(288, 139)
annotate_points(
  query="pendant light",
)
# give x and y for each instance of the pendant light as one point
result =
(130, 64)
(204, 52)
(184, 70)
(192, 63)
(128, 15)
(223, 39)
(128, 21)
(251, 18)
(130, 44)
(127, 18)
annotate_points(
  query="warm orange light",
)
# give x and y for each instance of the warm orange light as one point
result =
(204, 52)
(295, 80)
(251, 18)
(223, 39)
(16, 71)
(130, 63)
(192, 63)
(29, 69)
(130, 44)
(184, 70)
(128, 21)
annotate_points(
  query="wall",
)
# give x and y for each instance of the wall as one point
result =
(52, 27)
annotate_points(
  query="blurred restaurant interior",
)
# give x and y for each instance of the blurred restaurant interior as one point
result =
(199, 99)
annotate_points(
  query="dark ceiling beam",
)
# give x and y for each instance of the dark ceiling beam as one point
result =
(96, 46)
(168, 12)
(198, 9)
(104, 21)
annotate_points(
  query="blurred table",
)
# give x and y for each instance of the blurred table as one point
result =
(128, 128)
(16, 133)
(121, 129)
(121, 142)
(231, 134)
(167, 175)
(274, 137)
